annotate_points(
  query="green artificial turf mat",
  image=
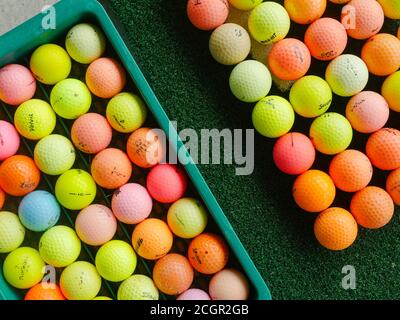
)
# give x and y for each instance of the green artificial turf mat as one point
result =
(279, 237)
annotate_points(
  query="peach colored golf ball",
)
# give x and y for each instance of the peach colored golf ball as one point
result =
(383, 149)
(105, 78)
(207, 14)
(305, 12)
(393, 185)
(229, 284)
(17, 84)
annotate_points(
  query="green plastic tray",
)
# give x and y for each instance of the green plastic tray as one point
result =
(19, 44)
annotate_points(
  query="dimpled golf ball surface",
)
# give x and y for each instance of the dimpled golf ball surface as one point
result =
(50, 64)
(96, 225)
(9, 140)
(391, 8)
(229, 44)
(17, 84)
(391, 92)
(131, 203)
(305, 12)
(166, 183)
(207, 14)
(35, 119)
(152, 239)
(229, 284)
(381, 54)
(194, 294)
(54, 154)
(91, 133)
(245, 4)
(187, 218)
(116, 261)
(250, 81)
(75, 189)
(19, 175)
(269, 22)
(208, 253)
(310, 96)
(12, 232)
(85, 43)
(372, 207)
(126, 112)
(347, 75)
(39, 211)
(43, 291)
(102, 298)
(173, 274)
(362, 18)
(80, 281)
(367, 112)
(273, 116)
(326, 39)
(314, 191)
(23, 268)
(335, 229)
(383, 149)
(59, 246)
(393, 185)
(331, 133)
(351, 170)
(138, 287)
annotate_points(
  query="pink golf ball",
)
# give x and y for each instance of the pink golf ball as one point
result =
(96, 225)
(194, 294)
(17, 84)
(131, 203)
(9, 140)
(166, 183)
(229, 284)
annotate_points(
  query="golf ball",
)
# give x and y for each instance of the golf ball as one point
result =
(187, 218)
(326, 39)
(208, 253)
(335, 229)
(310, 96)
(173, 274)
(314, 191)
(80, 281)
(17, 84)
(2, 198)
(138, 287)
(294, 153)
(12, 232)
(54, 154)
(383, 149)
(9, 140)
(50, 64)
(393, 185)
(19, 175)
(391, 8)
(207, 14)
(391, 92)
(85, 43)
(229, 284)
(35, 119)
(131, 203)
(116, 261)
(250, 81)
(331, 133)
(351, 170)
(245, 4)
(367, 112)
(305, 12)
(372, 207)
(126, 112)
(96, 225)
(269, 22)
(75, 189)
(44, 292)
(39, 211)
(347, 75)
(194, 294)
(23, 268)
(273, 116)
(59, 246)
(105, 78)
(102, 298)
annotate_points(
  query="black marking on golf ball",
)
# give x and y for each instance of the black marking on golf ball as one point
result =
(2, 142)
(324, 105)
(238, 33)
(272, 37)
(328, 54)
(179, 219)
(31, 122)
(79, 194)
(196, 256)
(117, 173)
(120, 122)
(291, 139)
(139, 242)
(117, 192)
(27, 184)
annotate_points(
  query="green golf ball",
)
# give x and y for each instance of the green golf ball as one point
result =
(331, 133)
(54, 154)
(273, 116)
(245, 4)
(75, 189)
(70, 98)
(102, 298)
(12, 232)
(138, 287)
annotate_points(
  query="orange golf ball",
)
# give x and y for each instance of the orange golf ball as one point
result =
(314, 191)
(305, 12)
(372, 207)
(2, 198)
(19, 175)
(207, 14)
(383, 149)
(208, 253)
(393, 185)
(173, 274)
(335, 229)
(42, 291)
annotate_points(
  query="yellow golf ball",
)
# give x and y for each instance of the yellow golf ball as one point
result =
(391, 91)
(102, 298)
(12, 232)
(391, 8)
(245, 4)
(138, 287)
